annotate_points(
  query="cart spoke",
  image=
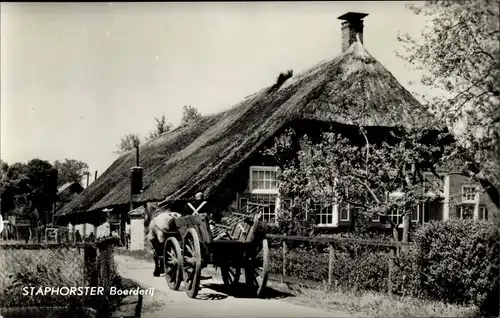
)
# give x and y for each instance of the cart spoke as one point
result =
(172, 261)
(171, 254)
(189, 250)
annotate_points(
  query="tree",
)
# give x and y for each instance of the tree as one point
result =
(5, 197)
(70, 170)
(161, 127)
(14, 187)
(29, 189)
(190, 115)
(335, 170)
(128, 143)
(459, 56)
(42, 182)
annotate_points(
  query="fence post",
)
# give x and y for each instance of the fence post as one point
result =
(391, 269)
(283, 275)
(330, 265)
(90, 257)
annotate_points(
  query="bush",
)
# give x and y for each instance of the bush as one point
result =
(358, 269)
(458, 262)
(406, 275)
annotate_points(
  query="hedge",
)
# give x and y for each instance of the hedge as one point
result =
(458, 263)
(455, 261)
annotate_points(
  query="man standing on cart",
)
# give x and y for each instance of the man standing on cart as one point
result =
(199, 205)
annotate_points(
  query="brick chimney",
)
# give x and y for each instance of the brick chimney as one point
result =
(352, 25)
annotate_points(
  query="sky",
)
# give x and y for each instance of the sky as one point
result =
(76, 77)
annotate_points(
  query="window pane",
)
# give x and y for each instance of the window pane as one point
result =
(267, 175)
(414, 215)
(267, 184)
(255, 184)
(255, 174)
(261, 184)
(261, 175)
(329, 219)
(273, 185)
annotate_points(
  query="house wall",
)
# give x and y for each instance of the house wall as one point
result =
(137, 233)
(455, 194)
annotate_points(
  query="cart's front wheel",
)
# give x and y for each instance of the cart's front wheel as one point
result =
(191, 265)
(173, 263)
(257, 268)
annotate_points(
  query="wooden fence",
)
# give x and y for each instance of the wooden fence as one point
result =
(285, 278)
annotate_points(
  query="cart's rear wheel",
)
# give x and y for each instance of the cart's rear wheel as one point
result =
(230, 275)
(191, 265)
(256, 270)
(173, 263)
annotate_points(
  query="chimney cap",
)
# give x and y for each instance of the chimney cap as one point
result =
(352, 16)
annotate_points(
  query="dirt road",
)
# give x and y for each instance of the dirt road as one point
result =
(211, 301)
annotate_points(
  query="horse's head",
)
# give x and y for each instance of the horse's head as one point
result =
(149, 212)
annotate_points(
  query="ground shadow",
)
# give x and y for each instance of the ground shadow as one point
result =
(242, 291)
(211, 296)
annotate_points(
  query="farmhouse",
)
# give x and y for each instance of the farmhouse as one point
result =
(220, 154)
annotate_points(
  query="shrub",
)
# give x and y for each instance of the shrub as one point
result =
(362, 271)
(406, 275)
(458, 262)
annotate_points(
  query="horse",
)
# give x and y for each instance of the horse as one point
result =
(160, 222)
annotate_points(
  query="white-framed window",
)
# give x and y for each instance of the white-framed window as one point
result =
(376, 218)
(344, 212)
(465, 211)
(482, 214)
(469, 194)
(263, 179)
(395, 216)
(324, 214)
(302, 212)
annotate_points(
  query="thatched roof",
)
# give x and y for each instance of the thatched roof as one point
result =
(353, 88)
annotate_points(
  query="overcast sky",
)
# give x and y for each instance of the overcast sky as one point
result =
(76, 77)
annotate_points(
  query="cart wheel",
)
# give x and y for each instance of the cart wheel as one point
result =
(191, 266)
(173, 263)
(230, 275)
(256, 271)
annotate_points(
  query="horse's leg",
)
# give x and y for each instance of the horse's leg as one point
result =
(156, 248)
(161, 242)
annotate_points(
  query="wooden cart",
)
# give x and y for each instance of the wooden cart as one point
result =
(193, 247)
